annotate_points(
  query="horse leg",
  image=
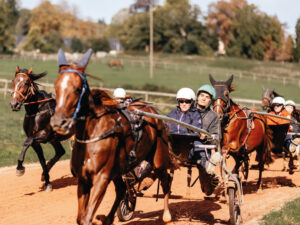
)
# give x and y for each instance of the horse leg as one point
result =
(291, 161)
(59, 152)
(261, 163)
(39, 151)
(120, 188)
(83, 195)
(20, 168)
(97, 191)
(166, 181)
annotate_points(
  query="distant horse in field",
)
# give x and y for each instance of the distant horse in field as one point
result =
(39, 107)
(242, 132)
(104, 139)
(115, 64)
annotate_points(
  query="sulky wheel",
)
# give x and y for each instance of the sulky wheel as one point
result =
(234, 208)
(126, 208)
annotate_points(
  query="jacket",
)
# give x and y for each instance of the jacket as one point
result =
(192, 117)
(210, 120)
(276, 121)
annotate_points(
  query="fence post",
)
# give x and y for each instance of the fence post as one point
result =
(146, 97)
(5, 88)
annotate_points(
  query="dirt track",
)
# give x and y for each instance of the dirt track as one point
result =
(24, 202)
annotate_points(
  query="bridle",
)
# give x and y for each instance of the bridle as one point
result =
(224, 99)
(83, 91)
(31, 88)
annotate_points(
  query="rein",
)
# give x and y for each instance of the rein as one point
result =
(39, 101)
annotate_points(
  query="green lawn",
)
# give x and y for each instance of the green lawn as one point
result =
(289, 214)
(12, 137)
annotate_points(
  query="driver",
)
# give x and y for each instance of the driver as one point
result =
(206, 94)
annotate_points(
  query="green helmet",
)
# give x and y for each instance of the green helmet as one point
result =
(209, 89)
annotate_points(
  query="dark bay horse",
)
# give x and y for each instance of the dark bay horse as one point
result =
(242, 132)
(39, 107)
(103, 140)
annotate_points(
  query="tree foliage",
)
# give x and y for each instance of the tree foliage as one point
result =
(7, 23)
(254, 34)
(176, 29)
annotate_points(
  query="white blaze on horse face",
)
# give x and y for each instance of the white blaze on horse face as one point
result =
(64, 86)
(17, 86)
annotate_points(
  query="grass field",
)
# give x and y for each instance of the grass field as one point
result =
(180, 71)
(12, 137)
(289, 214)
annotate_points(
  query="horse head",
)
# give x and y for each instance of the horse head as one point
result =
(23, 87)
(267, 97)
(72, 93)
(222, 102)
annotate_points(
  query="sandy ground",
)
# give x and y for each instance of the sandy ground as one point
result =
(23, 200)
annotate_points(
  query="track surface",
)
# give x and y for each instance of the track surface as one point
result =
(23, 200)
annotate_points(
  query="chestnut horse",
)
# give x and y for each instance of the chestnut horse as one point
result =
(242, 131)
(103, 140)
(39, 107)
(116, 64)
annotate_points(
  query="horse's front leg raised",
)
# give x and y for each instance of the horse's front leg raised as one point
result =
(89, 199)
(20, 168)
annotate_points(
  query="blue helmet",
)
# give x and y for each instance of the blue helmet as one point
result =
(208, 89)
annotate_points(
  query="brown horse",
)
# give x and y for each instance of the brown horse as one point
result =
(242, 132)
(115, 64)
(39, 107)
(104, 138)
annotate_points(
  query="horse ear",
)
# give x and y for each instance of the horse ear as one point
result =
(229, 81)
(17, 69)
(30, 70)
(212, 80)
(61, 58)
(85, 59)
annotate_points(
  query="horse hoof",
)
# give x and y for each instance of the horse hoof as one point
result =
(167, 218)
(291, 172)
(20, 172)
(48, 187)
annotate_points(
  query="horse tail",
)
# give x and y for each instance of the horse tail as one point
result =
(268, 145)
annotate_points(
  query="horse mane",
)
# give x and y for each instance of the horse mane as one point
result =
(103, 97)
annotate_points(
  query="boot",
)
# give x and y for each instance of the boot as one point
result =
(208, 182)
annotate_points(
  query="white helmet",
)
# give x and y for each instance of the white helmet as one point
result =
(278, 100)
(186, 93)
(290, 102)
(119, 93)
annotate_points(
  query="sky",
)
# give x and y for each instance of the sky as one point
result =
(287, 11)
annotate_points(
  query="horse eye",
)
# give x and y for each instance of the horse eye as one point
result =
(78, 90)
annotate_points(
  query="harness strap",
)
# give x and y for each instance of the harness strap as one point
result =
(39, 101)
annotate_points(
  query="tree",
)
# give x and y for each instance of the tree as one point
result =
(98, 44)
(286, 53)
(77, 45)
(53, 41)
(254, 34)
(6, 29)
(34, 39)
(22, 26)
(221, 15)
(296, 52)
